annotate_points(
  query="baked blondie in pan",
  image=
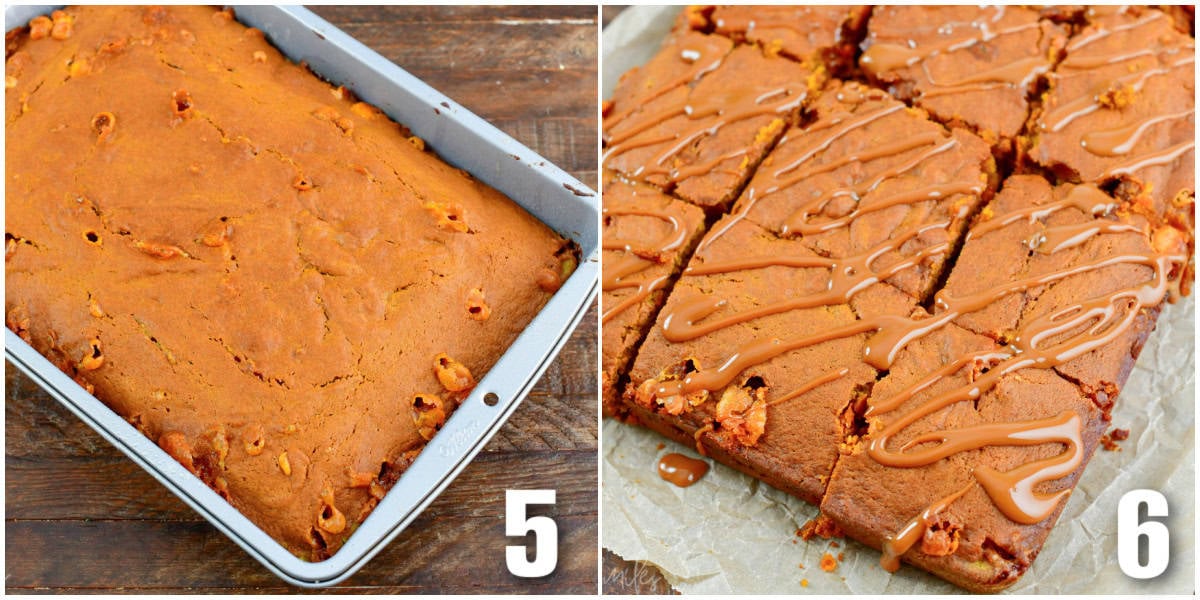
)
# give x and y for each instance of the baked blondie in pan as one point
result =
(248, 151)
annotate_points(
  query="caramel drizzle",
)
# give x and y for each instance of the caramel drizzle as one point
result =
(1088, 325)
(891, 332)
(1017, 74)
(1121, 140)
(1103, 318)
(1057, 119)
(1084, 63)
(1154, 159)
(863, 156)
(912, 532)
(639, 257)
(1099, 34)
(847, 276)
(884, 57)
(702, 168)
(812, 385)
(702, 60)
(836, 128)
(1064, 237)
(1094, 204)
(705, 117)
(798, 222)
(840, 124)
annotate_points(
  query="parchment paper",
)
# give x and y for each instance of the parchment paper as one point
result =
(729, 533)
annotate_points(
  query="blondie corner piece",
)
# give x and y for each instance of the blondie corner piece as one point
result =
(697, 119)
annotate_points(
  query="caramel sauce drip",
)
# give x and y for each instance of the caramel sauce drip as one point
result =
(1063, 237)
(831, 131)
(1085, 199)
(882, 151)
(681, 470)
(1084, 63)
(614, 275)
(639, 256)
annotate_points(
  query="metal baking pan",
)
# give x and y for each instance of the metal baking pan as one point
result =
(461, 139)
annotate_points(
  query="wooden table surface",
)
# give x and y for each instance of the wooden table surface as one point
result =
(80, 517)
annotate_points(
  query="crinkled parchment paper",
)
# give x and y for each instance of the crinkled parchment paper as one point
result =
(729, 533)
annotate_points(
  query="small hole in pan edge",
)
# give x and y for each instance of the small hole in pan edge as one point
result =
(491, 399)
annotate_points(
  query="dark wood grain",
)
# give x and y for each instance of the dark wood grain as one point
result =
(81, 518)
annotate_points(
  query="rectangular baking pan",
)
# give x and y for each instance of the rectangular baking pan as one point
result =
(461, 139)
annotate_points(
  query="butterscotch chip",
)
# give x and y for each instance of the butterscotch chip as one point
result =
(103, 124)
(743, 413)
(453, 375)
(330, 518)
(450, 215)
(549, 280)
(429, 414)
(40, 27)
(362, 480)
(254, 439)
(302, 183)
(477, 307)
(93, 358)
(181, 103)
(160, 250)
(365, 110)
